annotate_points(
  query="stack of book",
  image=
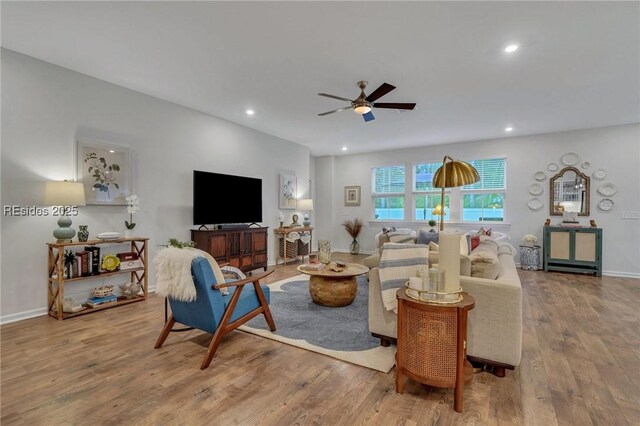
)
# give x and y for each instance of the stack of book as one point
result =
(570, 224)
(98, 301)
(312, 266)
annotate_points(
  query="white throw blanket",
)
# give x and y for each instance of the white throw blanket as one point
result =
(173, 272)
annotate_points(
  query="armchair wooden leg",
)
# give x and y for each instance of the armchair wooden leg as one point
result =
(165, 332)
(265, 305)
(213, 347)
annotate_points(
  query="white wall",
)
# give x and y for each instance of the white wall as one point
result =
(45, 107)
(615, 149)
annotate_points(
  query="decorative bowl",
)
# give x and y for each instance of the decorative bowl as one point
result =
(104, 291)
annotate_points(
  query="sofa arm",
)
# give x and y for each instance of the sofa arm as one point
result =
(495, 324)
(381, 321)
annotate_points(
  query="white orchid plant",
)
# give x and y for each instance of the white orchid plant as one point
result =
(133, 206)
(530, 238)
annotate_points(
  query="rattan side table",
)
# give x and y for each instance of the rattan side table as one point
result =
(432, 344)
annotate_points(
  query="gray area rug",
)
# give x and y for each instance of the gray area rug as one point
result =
(341, 333)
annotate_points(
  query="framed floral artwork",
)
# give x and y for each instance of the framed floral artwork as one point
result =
(287, 193)
(352, 195)
(105, 171)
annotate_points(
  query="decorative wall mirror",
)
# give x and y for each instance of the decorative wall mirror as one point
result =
(569, 192)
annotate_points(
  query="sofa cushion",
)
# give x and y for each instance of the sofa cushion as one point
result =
(434, 246)
(401, 238)
(425, 236)
(484, 260)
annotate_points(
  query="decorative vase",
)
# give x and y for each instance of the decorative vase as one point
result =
(354, 248)
(83, 233)
(324, 251)
(128, 233)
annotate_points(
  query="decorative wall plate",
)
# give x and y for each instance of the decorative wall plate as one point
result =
(599, 174)
(585, 165)
(535, 189)
(607, 189)
(570, 158)
(552, 167)
(540, 176)
(535, 204)
(606, 204)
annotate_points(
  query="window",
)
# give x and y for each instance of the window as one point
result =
(484, 200)
(388, 192)
(426, 197)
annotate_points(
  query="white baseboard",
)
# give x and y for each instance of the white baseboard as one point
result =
(621, 274)
(6, 319)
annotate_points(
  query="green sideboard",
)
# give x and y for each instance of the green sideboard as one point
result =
(573, 249)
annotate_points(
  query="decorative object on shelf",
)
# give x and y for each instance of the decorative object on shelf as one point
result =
(535, 189)
(570, 158)
(529, 240)
(585, 165)
(294, 221)
(103, 291)
(569, 216)
(105, 172)
(69, 260)
(540, 176)
(570, 190)
(71, 305)
(333, 266)
(305, 205)
(432, 223)
(83, 233)
(180, 244)
(352, 195)
(110, 262)
(287, 194)
(64, 197)
(535, 204)
(592, 223)
(452, 174)
(130, 290)
(608, 189)
(600, 174)
(133, 206)
(324, 251)
(281, 219)
(547, 222)
(108, 236)
(606, 204)
(353, 228)
(552, 167)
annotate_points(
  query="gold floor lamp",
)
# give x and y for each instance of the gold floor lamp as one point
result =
(452, 174)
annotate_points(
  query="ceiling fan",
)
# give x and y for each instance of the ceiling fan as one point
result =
(363, 103)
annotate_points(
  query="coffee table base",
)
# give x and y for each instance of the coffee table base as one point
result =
(333, 291)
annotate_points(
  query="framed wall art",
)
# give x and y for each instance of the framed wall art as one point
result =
(287, 192)
(352, 195)
(105, 171)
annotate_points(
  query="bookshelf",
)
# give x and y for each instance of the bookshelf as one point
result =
(57, 280)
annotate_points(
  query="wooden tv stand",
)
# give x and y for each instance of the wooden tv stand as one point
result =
(244, 248)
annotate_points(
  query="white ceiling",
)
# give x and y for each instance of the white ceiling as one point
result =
(578, 65)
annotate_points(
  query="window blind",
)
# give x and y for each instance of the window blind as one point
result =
(492, 174)
(388, 180)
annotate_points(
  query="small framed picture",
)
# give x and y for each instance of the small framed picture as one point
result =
(105, 171)
(287, 192)
(352, 195)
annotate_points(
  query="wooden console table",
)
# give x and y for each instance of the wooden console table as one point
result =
(432, 344)
(287, 250)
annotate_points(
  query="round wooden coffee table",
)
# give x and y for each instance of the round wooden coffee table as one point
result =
(334, 289)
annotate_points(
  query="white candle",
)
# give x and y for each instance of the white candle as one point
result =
(450, 260)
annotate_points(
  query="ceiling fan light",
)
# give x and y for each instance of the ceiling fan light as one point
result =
(362, 109)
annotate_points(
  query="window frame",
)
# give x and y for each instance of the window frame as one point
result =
(471, 191)
(375, 195)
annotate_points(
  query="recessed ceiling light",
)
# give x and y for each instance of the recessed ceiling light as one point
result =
(344, 148)
(508, 129)
(250, 112)
(511, 48)
(111, 151)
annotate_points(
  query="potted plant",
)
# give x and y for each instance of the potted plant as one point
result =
(133, 206)
(432, 223)
(529, 240)
(353, 228)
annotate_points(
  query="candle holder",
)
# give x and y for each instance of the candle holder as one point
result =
(429, 296)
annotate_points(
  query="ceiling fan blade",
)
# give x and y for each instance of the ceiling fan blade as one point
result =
(368, 116)
(394, 105)
(335, 97)
(380, 92)
(335, 110)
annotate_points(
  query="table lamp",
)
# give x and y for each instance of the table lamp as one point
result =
(64, 194)
(305, 205)
(452, 174)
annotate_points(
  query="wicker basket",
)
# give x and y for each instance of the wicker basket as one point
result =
(103, 291)
(291, 249)
(303, 249)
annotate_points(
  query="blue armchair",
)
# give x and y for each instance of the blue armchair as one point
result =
(216, 313)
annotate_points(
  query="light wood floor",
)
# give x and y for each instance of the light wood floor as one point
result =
(580, 365)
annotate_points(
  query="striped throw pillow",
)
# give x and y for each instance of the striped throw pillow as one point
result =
(400, 238)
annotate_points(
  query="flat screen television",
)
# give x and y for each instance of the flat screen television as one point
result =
(226, 199)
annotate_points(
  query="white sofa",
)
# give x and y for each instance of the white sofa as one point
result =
(494, 333)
